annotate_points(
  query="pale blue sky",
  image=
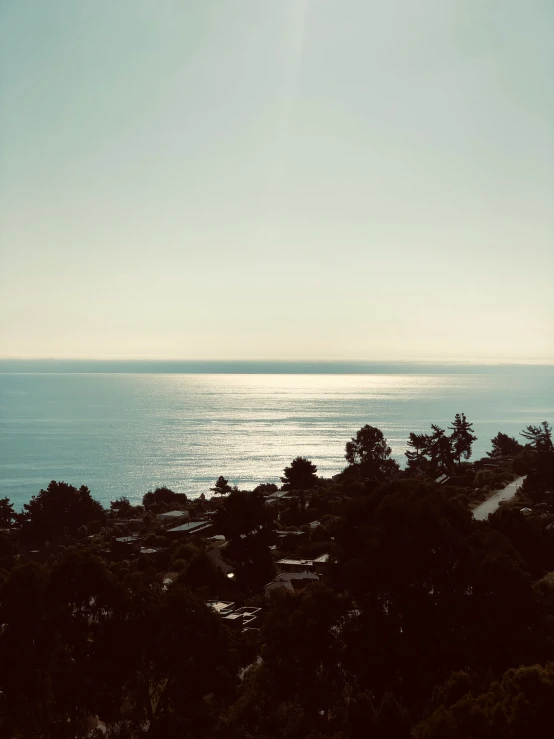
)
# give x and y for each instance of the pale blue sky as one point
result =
(277, 178)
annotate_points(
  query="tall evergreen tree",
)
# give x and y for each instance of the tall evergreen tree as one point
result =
(300, 475)
(221, 486)
(418, 444)
(439, 450)
(539, 437)
(7, 514)
(504, 446)
(462, 437)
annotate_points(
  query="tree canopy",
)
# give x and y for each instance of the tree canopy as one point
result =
(300, 475)
(58, 511)
(221, 486)
(161, 498)
(504, 446)
(539, 437)
(369, 452)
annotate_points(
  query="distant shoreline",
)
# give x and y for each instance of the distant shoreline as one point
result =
(145, 366)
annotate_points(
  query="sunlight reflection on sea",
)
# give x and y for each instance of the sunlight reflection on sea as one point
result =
(122, 434)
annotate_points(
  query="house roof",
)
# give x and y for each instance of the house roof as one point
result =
(127, 539)
(322, 559)
(189, 527)
(292, 561)
(172, 514)
(220, 605)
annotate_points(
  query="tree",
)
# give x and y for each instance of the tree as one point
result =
(301, 475)
(59, 510)
(370, 453)
(462, 437)
(539, 437)
(7, 514)
(504, 446)
(121, 507)
(266, 488)
(221, 486)
(418, 444)
(439, 450)
(248, 524)
(161, 497)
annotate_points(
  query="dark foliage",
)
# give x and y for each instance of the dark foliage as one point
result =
(59, 511)
(426, 624)
(161, 498)
(369, 453)
(300, 475)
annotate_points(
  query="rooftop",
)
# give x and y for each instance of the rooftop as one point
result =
(190, 527)
(291, 561)
(172, 514)
(127, 539)
(220, 606)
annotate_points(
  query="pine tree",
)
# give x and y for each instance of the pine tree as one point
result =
(440, 450)
(221, 486)
(462, 437)
(416, 454)
(539, 437)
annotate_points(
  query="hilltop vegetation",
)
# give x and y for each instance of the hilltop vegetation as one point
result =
(411, 619)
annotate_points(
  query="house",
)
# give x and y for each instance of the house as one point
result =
(290, 564)
(173, 516)
(234, 620)
(222, 607)
(249, 611)
(126, 545)
(190, 528)
(319, 565)
(291, 581)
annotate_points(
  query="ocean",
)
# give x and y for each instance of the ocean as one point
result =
(124, 433)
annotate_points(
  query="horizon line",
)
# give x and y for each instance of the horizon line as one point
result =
(289, 360)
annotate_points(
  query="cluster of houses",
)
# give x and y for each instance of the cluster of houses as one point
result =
(245, 617)
(296, 573)
(293, 573)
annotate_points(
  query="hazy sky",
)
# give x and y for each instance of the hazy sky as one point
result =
(277, 178)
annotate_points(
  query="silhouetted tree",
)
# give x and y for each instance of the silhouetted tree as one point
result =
(201, 572)
(122, 507)
(7, 514)
(369, 452)
(300, 475)
(439, 450)
(59, 510)
(504, 446)
(462, 437)
(248, 524)
(161, 497)
(418, 444)
(539, 437)
(221, 486)
(266, 488)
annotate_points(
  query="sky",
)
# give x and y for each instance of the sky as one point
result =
(284, 179)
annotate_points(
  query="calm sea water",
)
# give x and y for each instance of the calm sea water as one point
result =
(123, 434)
